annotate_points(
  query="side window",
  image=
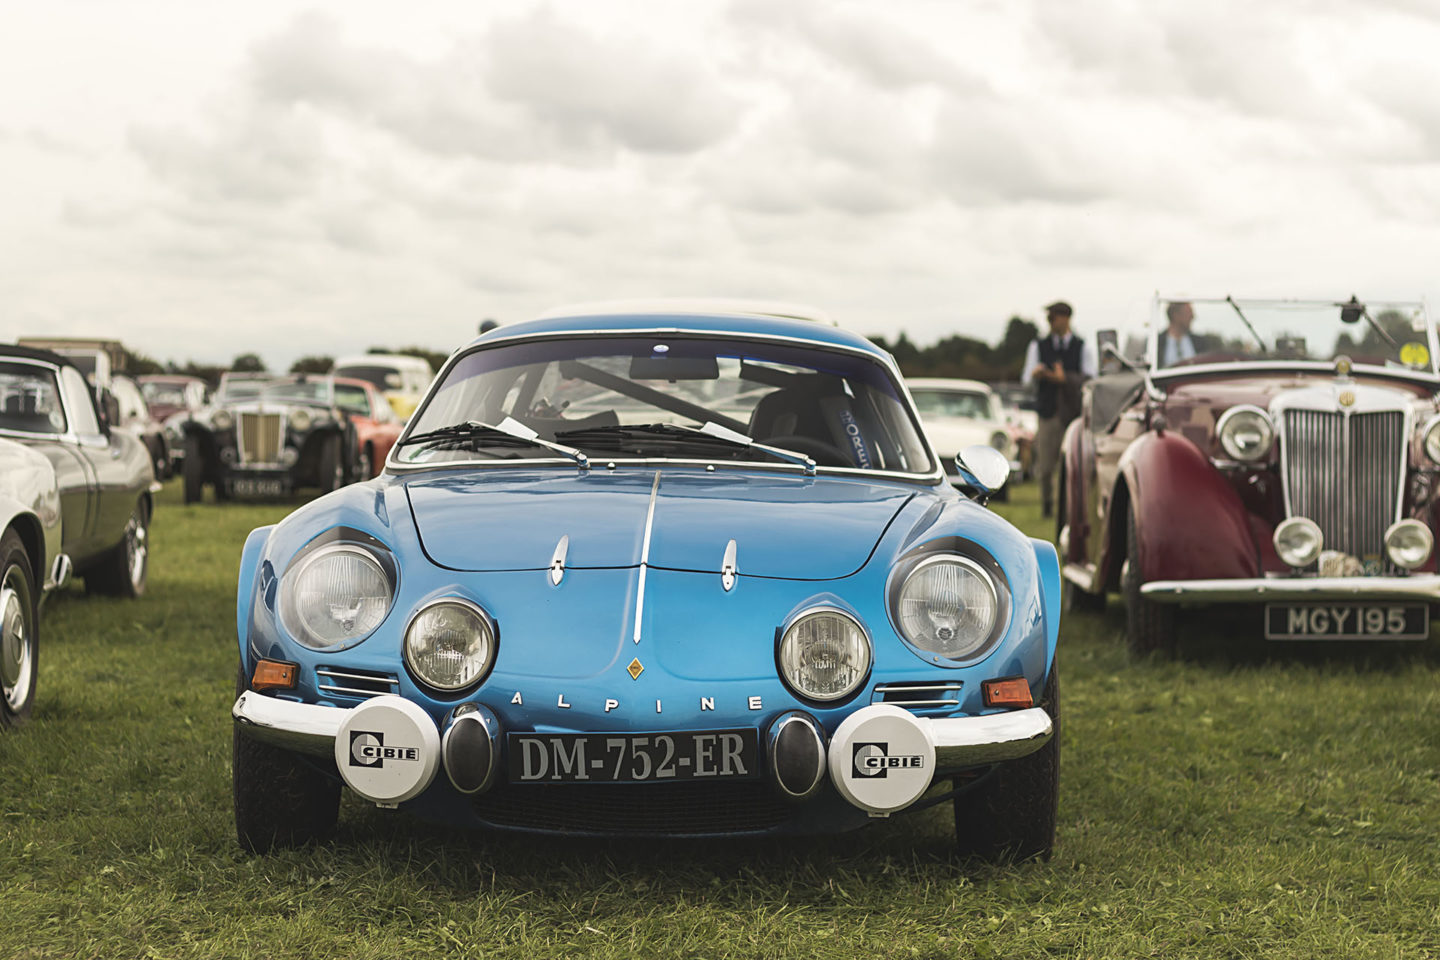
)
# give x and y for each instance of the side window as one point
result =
(79, 402)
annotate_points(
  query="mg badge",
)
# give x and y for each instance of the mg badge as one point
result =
(1347, 398)
(635, 669)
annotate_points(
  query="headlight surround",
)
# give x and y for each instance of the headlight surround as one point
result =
(1431, 440)
(1408, 544)
(948, 605)
(222, 420)
(824, 654)
(300, 419)
(1246, 433)
(450, 644)
(1298, 541)
(335, 594)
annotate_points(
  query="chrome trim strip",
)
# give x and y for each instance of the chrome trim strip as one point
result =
(773, 755)
(557, 560)
(1257, 590)
(992, 738)
(304, 727)
(645, 555)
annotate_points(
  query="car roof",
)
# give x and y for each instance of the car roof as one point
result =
(946, 383)
(34, 353)
(744, 324)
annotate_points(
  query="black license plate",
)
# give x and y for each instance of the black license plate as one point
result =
(258, 486)
(1347, 621)
(633, 758)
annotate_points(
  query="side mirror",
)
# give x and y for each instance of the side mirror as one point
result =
(109, 410)
(983, 467)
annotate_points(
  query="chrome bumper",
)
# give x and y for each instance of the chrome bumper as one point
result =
(975, 741)
(302, 727)
(959, 741)
(1424, 587)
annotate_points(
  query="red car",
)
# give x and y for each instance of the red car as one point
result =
(376, 426)
(1281, 454)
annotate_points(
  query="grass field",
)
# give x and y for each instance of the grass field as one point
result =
(1237, 801)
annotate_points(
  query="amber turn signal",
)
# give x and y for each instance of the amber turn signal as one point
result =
(274, 675)
(1007, 692)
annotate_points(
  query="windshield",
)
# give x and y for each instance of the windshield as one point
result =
(352, 399)
(233, 390)
(1189, 332)
(839, 408)
(29, 400)
(952, 403)
(169, 393)
(381, 378)
(308, 391)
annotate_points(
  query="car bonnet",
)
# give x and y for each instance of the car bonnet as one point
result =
(787, 527)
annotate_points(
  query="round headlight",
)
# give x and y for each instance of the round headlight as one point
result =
(949, 606)
(1408, 544)
(1246, 433)
(1000, 441)
(222, 420)
(825, 655)
(1432, 440)
(1299, 541)
(336, 594)
(449, 644)
(300, 419)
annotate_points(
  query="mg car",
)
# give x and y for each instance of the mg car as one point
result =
(683, 575)
(1277, 454)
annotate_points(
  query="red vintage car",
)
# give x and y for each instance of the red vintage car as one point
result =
(1281, 454)
(376, 426)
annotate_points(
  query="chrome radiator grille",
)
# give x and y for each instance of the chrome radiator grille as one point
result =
(1344, 473)
(261, 436)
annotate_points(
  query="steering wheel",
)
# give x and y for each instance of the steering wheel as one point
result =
(821, 451)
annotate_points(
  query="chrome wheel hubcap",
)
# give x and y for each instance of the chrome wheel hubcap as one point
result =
(135, 550)
(15, 658)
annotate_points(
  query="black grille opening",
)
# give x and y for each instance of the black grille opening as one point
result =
(920, 695)
(351, 682)
(712, 808)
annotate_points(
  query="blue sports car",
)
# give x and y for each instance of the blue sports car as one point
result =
(672, 574)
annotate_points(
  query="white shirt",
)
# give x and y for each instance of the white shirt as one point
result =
(1088, 366)
(1172, 351)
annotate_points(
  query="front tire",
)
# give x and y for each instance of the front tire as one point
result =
(331, 467)
(19, 632)
(281, 801)
(1011, 814)
(1149, 626)
(123, 571)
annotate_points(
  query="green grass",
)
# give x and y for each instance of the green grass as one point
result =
(1240, 800)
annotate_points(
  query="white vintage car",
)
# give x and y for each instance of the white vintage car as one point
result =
(30, 562)
(960, 413)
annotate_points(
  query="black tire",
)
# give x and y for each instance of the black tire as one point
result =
(19, 632)
(1010, 815)
(194, 471)
(1075, 600)
(1149, 626)
(124, 571)
(281, 801)
(331, 469)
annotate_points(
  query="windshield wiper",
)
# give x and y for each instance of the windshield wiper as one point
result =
(1246, 320)
(509, 427)
(679, 431)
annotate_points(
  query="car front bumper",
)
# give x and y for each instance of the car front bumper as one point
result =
(954, 743)
(1422, 587)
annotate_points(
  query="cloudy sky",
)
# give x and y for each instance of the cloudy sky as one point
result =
(201, 179)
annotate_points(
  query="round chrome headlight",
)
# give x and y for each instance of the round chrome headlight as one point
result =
(1432, 440)
(1408, 544)
(1246, 433)
(450, 644)
(222, 420)
(948, 605)
(1000, 441)
(825, 655)
(1299, 541)
(334, 595)
(300, 419)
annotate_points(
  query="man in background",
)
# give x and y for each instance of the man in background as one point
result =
(1057, 364)
(1175, 343)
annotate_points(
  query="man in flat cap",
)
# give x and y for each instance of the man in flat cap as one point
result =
(1057, 364)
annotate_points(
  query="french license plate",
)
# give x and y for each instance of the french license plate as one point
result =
(632, 758)
(1347, 621)
(258, 486)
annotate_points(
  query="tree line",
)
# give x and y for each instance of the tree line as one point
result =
(965, 357)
